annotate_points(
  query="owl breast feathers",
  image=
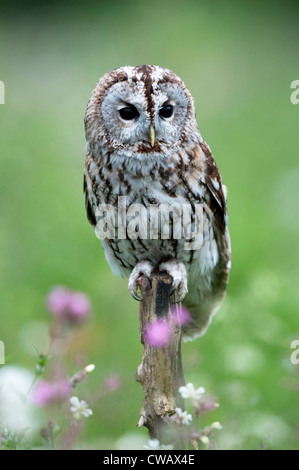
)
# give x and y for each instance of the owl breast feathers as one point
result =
(144, 147)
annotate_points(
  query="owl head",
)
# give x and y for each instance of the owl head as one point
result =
(140, 110)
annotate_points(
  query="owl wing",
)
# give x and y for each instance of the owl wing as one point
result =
(215, 189)
(88, 206)
(206, 291)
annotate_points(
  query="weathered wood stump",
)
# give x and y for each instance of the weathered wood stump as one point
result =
(161, 372)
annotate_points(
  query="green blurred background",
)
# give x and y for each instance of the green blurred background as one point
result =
(238, 59)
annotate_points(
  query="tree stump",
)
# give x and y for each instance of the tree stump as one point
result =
(161, 372)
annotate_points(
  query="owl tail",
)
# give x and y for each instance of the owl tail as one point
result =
(201, 317)
(205, 298)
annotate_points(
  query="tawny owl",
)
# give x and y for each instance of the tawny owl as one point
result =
(144, 146)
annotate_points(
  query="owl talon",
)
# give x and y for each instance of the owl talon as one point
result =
(142, 268)
(136, 297)
(150, 280)
(175, 301)
(178, 273)
(172, 292)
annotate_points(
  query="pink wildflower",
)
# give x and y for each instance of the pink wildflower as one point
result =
(208, 404)
(68, 305)
(50, 392)
(158, 333)
(112, 382)
(58, 300)
(79, 305)
(181, 316)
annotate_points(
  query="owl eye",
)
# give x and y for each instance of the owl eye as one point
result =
(128, 113)
(166, 111)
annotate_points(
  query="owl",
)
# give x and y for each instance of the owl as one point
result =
(144, 147)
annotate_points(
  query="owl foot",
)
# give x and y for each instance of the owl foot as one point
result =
(177, 271)
(143, 267)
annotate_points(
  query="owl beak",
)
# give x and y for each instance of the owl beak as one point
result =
(152, 135)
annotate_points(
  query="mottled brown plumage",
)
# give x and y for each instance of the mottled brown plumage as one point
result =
(177, 168)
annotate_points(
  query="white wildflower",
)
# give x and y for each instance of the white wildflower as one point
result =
(154, 444)
(190, 392)
(210, 427)
(89, 368)
(184, 416)
(216, 425)
(205, 440)
(80, 408)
